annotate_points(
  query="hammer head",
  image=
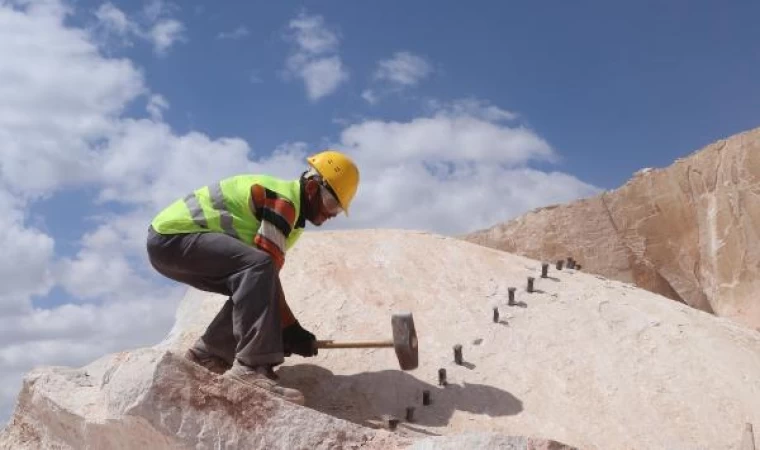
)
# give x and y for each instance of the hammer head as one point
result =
(405, 340)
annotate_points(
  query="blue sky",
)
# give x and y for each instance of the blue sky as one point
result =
(461, 115)
(613, 86)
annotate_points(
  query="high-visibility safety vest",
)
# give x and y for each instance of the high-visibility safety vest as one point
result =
(227, 207)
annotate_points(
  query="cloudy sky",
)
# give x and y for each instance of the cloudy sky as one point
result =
(461, 115)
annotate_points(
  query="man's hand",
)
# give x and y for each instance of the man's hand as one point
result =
(297, 340)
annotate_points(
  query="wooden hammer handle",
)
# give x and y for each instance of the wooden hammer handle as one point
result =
(354, 344)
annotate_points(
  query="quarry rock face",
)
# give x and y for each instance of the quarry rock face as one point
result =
(589, 362)
(582, 361)
(690, 232)
(151, 398)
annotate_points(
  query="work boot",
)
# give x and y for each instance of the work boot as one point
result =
(260, 377)
(210, 362)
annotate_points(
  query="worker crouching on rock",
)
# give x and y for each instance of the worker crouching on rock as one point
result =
(231, 238)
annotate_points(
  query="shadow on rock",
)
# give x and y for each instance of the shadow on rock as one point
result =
(364, 398)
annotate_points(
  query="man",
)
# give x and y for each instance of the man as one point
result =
(231, 238)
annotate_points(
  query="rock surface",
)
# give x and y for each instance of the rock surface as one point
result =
(152, 398)
(587, 361)
(486, 441)
(690, 232)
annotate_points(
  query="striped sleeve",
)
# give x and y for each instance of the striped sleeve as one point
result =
(276, 216)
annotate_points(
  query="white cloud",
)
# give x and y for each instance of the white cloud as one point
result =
(47, 119)
(145, 163)
(322, 76)
(313, 36)
(165, 33)
(154, 10)
(397, 74)
(155, 25)
(238, 33)
(454, 134)
(114, 19)
(470, 107)
(462, 167)
(27, 254)
(404, 68)
(315, 59)
(101, 267)
(370, 96)
(156, 106)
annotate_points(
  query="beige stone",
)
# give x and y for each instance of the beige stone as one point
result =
(487, 441)
(152, 398)
(748, 438)
(590, 362)
(690, 232)
(585, 361)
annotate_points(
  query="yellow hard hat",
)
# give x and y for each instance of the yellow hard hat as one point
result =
(339, 172)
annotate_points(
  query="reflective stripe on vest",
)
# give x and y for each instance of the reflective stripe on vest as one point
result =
(225, 218)
(217, 201)
(196, 212)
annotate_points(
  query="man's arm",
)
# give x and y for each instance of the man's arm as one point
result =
(286, 315)
(295, 338)
(276, 217)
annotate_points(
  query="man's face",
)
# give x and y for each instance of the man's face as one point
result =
(324, 206)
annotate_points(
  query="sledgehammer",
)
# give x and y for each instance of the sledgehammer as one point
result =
(404, 341)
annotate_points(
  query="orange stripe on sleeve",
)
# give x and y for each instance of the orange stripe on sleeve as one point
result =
(269, 247)
(282, 207)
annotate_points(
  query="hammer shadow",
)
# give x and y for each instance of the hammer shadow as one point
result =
(419, 430)
(551, 278)
(537, 291)
(519, 304)
(365, 397)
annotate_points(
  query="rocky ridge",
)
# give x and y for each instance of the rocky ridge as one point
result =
(690, 232)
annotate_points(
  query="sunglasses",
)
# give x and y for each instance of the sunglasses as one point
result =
(329, 201)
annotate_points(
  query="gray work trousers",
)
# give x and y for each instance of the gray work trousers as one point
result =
(247, 328)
